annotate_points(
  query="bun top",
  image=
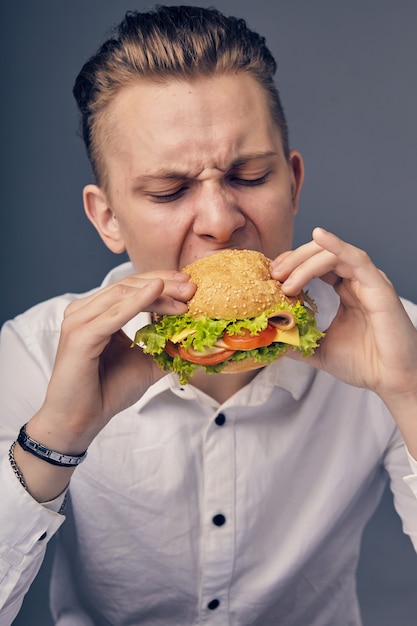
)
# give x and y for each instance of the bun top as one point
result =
(233, 284)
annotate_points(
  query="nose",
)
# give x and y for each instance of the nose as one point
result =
(217, 214)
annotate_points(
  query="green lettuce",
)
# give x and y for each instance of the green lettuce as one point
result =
(202, 333)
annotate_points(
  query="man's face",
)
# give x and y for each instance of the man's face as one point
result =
(195, 167)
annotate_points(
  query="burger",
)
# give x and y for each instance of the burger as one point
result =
(238, 319)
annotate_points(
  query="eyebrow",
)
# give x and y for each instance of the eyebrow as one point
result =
(246, 158)
(171, 174)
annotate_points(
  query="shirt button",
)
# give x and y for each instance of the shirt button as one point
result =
(213, 604)
(219, 520)
(220, 419)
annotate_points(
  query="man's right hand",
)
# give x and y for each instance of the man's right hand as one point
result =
(96, 374)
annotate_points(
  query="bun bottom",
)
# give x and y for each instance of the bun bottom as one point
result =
(247, 365)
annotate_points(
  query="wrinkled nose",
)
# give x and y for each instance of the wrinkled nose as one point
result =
(217, 213)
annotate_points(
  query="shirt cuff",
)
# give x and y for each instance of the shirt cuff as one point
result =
(411, 479)
(23, 520)
(412, 461)
(57, 503)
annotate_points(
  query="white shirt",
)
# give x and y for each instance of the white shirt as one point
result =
(257, 515)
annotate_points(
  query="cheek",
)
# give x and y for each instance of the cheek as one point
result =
(274, 211)
(155, 240)
(275, 224)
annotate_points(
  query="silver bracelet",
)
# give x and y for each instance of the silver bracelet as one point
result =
(15, 466)
(44, 453)
(19, 475)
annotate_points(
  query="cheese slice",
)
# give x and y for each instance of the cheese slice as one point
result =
(182, 335)
(291, 336)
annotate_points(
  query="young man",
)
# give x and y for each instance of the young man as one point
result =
(238, 499)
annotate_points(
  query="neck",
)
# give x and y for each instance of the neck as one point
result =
(221, 387)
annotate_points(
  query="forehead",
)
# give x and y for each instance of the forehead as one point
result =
(203, 123)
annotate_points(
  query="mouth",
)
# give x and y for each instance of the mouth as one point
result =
(207, 253)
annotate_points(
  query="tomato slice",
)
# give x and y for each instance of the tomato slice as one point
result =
(248, 341)
(212, 356)
(171, 349)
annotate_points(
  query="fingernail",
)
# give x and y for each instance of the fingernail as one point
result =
(180, 276)
(180, 306)
(186, 287)
(277, 271)
(288, 282)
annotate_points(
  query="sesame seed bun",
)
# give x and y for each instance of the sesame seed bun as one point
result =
(233, 284)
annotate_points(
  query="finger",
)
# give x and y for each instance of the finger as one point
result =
(320, 265)
(351, 261)
(327, 257)
(171, 301)
(286, 263)
(323, 241)
(295, 256)
(108, 312)
(298, 267)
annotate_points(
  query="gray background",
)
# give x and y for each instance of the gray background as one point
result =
(347, 75)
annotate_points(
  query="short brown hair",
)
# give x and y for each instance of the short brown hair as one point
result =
(171, 42)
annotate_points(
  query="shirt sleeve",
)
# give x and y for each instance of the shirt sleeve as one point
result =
(27, 349)
(411, 479)
(26, 526)
(398, 463)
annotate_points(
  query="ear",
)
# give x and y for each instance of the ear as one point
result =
(102, 217)
(296, 165)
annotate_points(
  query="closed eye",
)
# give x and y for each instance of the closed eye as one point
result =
(249, 182)
(169, 197)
